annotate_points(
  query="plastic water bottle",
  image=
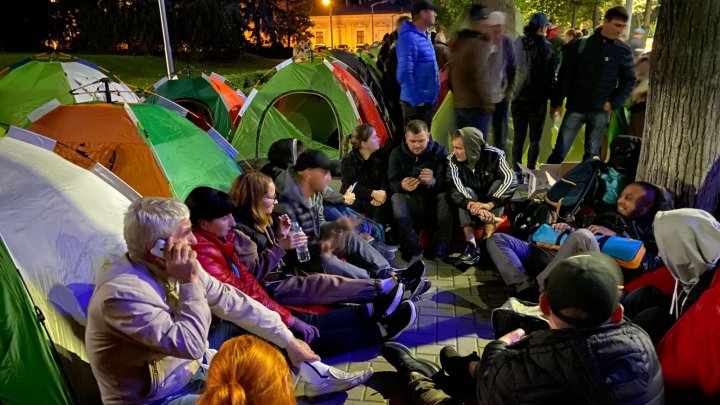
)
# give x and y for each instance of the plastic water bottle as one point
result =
(303, 254)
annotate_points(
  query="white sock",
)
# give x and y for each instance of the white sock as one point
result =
(314, 373)
(387, 284)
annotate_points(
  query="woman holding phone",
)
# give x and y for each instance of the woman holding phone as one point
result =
(328, 333)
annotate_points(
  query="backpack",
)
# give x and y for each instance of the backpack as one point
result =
(529, 217)
(576, 187)
(625, 154)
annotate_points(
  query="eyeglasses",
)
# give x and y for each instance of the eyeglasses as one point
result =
(271, 197)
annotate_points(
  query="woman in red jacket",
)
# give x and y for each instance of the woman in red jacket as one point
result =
(330, 333)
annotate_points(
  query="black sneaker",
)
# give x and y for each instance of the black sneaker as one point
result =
(471, 255)
(403, 317)
(404, 362)
(385, 304)
(457, 367)
(412, 277)
(440, 253)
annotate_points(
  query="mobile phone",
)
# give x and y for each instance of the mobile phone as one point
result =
(158, 248)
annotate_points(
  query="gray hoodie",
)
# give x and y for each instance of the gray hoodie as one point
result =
(688, 241)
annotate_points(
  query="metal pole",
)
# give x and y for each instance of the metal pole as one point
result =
(372, 21)
(629, 7)
(166, 39)
(332, 45)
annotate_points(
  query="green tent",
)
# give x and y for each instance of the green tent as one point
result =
(300, 100)
(60, 227)
(30, 83)
(443, 126)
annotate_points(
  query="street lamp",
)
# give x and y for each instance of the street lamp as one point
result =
(372, 17)
(328, 3)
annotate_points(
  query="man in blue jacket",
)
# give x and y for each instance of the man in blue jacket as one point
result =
(417, 71)
(596, 76)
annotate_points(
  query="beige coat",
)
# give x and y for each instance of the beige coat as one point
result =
(142, 350)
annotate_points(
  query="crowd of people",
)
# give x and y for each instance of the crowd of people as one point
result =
(219, 296)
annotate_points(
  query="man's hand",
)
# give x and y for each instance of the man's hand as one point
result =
(607, 106)
(308, 332)
(562, 227)
(349, 197)
(375, 203)
(486, 216)
(284, 226)
(409, 184)
(426, 177)
(181, 261)
(513, 337)
(293, 241)
(379, 196)
(601, 230)
(298, 351)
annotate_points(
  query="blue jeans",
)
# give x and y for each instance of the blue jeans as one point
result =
(342, 330)
(595, 123)
(473, 117)
(190, 393)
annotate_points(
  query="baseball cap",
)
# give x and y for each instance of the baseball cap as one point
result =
(420, 5)
(312, 159)
(539, 20)
(590, 283)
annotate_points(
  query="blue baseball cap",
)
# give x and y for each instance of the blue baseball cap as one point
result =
(539, 19)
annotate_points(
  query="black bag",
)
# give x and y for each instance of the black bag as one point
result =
(577, 186)
(625, 154)
(514, 314)
(529, 217)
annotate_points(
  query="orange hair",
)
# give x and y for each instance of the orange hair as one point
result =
(248, 371)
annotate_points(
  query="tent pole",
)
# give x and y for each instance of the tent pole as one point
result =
(166, 39)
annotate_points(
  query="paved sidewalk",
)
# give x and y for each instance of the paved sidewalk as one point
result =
(455, 311)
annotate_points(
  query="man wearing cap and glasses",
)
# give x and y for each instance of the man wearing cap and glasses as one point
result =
(589, 354)
(417, 71)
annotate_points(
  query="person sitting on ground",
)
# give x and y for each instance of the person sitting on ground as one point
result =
(300, 197)
(364, 173)
(328, 333)
(260, 247)
(519, 262)
(688, 242)
(479, 183)
(149, 316)
(247, 370)
(416, 172)
(589, 354)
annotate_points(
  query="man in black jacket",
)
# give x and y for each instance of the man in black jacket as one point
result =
(596, 76)
(416, 172)
(479, 182)
(589, 354)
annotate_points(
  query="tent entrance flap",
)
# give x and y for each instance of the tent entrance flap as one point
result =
(202, 116)
(308, 113)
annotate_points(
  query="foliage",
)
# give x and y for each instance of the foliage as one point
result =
(293, 18)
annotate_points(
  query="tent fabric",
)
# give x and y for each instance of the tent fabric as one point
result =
(164, 155)
(30, 85)
(260, 125)
(212, 92)
(63, 226)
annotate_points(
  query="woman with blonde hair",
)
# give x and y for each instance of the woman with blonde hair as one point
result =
(248, 371)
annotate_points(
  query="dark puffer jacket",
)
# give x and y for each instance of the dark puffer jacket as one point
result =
(612, 364)
(604, 71)
(403, 164)
(485, 171)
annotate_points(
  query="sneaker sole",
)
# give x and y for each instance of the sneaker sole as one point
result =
(395, 302)
(313, 391)
(413, 318)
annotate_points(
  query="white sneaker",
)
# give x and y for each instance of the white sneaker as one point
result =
(337, 381)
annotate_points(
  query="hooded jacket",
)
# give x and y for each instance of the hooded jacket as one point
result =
(307, 212)
(469, 73)
(281, 155)
(537, 64)
(403, 164)
(610, 364)
(417, 71)
(484, 165)
(218, 258)
(689, 244)
(604, 71)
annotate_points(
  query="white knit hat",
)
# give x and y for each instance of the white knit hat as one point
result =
(496, 18)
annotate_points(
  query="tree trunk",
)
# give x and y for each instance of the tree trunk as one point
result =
(595, 17)
(648, 13)
(574, 17)
(681, 146)
(507, 7)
